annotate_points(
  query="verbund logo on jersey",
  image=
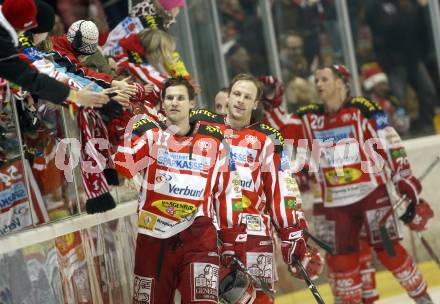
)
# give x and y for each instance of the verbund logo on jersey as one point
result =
(180, 185)
(185, 191)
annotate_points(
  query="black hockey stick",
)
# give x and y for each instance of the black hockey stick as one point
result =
(309, 282)
(320, 243)
(429, 249)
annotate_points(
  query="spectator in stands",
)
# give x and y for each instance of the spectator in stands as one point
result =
(238, 60)
(251, 35)
(307, 23)
(400, 31)
(45, 19)
(20, 15)
(82, 40)
(142, 57)
(221, 101)
(299, 92)
(293, 61)
(148, 14)
(131, 37)
(72, 10)
(58, 28)
(377, 88)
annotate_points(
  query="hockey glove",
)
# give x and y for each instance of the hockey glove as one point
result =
(293, 242)
(313, 264)
(409, 186)
(417, 216)
(233, 242)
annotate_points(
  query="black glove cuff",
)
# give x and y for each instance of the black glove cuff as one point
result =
(409, 214)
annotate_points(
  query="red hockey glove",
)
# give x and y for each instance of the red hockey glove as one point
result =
(417, 216)
(410, 186)
(313, 264)
(293, 242)
(233, 242)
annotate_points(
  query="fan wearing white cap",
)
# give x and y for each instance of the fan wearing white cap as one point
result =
(82, 40)
(18, 16)
(83, 37)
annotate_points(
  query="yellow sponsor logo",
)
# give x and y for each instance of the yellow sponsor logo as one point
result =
(136, 57)
(24, 41)
(291, 185)
(367, 103)
(151, 21)
(147, 220)
(176, 209)
(212, 129)
(140, 123)
(274, 131)
(239, 205)
(246, 202)
(349, 175)
(204, 112)
(308, 107)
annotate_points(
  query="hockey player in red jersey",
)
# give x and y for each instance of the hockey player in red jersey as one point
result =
(181, 163)
(291, 128)
(355, 153)
(261, 193)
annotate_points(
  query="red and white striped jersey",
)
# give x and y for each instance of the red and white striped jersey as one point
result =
(288, 124)
(181, 174)
(344, 152)
(260, 189)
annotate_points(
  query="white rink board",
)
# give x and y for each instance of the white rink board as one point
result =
(421, 153)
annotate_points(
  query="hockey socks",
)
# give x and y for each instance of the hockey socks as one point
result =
(405, 271)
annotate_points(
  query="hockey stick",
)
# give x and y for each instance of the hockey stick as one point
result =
(386, 241)
(428, 248)
(320, 243)
(258, 282)
(430, 167)
(309, 282)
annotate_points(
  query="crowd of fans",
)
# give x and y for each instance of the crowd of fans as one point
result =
(392, 36)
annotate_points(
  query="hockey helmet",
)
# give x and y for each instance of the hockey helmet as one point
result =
(237, 288)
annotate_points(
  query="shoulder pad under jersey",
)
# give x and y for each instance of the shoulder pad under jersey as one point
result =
(143, 125)
(366, 106)
(272, 133)
(210, 131)
(310, 108)
(203, 115)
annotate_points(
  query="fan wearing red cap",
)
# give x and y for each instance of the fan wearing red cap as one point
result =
(377, 88)
(347, 131)
(21, 14)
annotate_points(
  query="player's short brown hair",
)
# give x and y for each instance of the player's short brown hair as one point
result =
(250, 78)
(176, 81)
